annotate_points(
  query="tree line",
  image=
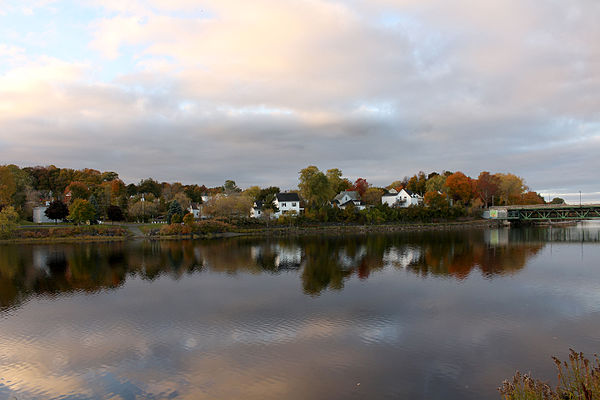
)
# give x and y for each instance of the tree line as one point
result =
(89, 194)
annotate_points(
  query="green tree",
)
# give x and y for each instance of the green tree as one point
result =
(557, 200)
(174, 209)
(337, 183)
(436, 184)
(8, 222)
(57, 210)
(96, 206)
(149, 186)
(230, 187)
(314, 186)
(80, 211)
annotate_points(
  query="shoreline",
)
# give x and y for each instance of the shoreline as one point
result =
(277, 231)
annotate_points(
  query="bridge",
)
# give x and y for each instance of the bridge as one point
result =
(544, 212)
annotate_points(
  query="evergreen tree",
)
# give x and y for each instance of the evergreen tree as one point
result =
(174, 209)
(96, 206)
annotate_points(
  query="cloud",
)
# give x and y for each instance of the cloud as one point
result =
(257, 90)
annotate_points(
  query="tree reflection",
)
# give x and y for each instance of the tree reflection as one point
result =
(323, 263)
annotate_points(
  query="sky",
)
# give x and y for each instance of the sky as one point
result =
(203, 91)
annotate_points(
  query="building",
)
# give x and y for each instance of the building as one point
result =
(196, 210)
(39, 214)
(287, 203)
(403, 198)
(347, 197)
(257, 210)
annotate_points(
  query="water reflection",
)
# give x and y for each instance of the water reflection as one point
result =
(323, 263)
(437, 315)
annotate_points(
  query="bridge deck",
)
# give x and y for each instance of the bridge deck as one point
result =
(544, 212)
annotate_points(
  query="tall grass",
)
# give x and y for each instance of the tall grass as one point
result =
(578, 379)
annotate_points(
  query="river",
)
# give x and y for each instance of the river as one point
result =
(413, 315)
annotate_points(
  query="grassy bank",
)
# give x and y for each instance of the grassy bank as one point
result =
(219, 229)
(67, 233)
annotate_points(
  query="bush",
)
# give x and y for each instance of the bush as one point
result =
(577, 380)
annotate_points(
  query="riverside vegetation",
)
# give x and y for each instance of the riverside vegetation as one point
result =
(579, 379)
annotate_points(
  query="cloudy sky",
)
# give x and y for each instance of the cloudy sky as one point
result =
(200, 91)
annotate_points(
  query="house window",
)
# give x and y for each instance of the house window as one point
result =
(282, 204)
(293, 204)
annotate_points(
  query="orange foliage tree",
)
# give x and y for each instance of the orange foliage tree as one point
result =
(460, 187)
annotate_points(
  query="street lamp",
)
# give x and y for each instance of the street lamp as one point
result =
(580, 198)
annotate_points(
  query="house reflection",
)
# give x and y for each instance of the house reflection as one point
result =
(322, 263)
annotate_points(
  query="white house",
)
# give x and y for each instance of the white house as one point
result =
(347, 197)
(39, 214)
(196, 210)
(257, 210)
(286, 203)
(403, 198)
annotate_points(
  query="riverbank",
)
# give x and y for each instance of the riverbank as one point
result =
(332, 230)
(133, 232)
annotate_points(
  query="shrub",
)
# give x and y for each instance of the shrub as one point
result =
(577, 380)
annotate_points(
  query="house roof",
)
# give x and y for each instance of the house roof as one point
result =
(258, 205)
(390, 195)
(351, 193)
(194, 206)
(288, 197)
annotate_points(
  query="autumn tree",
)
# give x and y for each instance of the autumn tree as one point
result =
(436, 183)
(510, 188)
(417, 183)
(372, 196)
(314, 186)
(235, 205)
(80, 211)
(336, 182)
(532, 198)
(459, 187)
(8, 222)
(252, 192)
(435, 200)
(8, 186)
(141, 208)
(557, 200)
(57, 210)
(78, 190)
(487, 187)
(361, 185)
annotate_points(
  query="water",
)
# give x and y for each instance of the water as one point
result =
(436, 315)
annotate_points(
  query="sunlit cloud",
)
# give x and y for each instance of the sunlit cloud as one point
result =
(378, 88)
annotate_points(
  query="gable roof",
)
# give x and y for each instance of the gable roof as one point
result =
(258, 205)
(389, 194)
(352, 194)
(287, 197)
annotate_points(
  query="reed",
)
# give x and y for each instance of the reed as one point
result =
(578, 379)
